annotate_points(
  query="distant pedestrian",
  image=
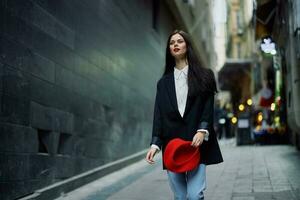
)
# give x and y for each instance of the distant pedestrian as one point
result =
(184, 108)
(221, 120)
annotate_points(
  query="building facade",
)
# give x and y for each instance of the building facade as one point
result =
(280, 20)
(240, 32)
(220, 33)
(235, 75)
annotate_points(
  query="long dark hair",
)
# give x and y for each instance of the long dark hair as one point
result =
(200, 79)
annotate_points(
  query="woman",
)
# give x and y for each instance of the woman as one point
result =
(184, 109)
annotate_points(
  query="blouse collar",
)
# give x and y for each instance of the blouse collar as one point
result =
(178, 73)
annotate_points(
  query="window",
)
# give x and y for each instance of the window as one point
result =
(64, 145)
(44, 141)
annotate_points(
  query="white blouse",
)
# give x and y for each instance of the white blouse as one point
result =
(181, 87)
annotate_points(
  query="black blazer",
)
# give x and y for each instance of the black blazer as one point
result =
(198, 114)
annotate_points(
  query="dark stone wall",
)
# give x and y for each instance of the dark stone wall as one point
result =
(77, 85)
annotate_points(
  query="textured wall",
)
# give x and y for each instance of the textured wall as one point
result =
(77, 86)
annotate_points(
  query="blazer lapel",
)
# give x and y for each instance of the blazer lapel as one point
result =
(189, 104)
(172, 92)
(172, 95)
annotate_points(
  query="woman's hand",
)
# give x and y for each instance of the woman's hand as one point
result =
(150, 155)
(198, 139)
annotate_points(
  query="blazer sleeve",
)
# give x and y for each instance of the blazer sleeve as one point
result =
(157, 121)
(207, 117)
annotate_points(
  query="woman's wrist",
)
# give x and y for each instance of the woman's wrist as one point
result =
(201, 132)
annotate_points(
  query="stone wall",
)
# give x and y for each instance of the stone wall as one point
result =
(77, 86)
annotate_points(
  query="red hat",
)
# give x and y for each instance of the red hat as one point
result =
(179, 156)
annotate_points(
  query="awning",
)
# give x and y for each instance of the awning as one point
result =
(232, 71)
(235, 76)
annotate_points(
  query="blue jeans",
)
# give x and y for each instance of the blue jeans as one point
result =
(188, 185)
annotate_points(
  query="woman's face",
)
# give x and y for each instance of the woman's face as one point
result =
(177, 46)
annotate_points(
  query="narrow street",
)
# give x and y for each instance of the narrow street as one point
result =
(89, 88)
(248, 173)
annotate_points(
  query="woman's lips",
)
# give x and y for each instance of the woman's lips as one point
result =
(176, 49)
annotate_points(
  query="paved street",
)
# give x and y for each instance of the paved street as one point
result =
(248, 173)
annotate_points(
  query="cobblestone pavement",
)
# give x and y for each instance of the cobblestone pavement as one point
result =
(248, 173)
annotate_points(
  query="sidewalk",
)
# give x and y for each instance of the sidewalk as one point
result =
(248, 173)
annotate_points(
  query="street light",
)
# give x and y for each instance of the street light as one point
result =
(260, 117)
(267, 46)
(273, 52)
(272, 106)
(249, 102)
(234, 120)
(241, 107)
